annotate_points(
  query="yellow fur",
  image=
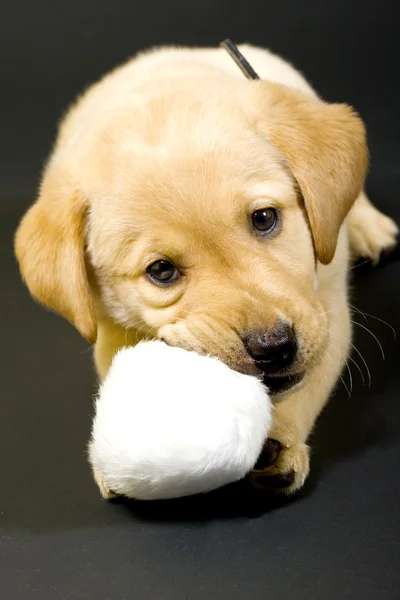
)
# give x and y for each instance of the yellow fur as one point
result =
(166, 158)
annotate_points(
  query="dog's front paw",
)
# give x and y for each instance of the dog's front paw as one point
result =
(281, 468)
(371, 232)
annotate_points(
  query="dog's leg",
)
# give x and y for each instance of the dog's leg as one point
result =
(370, 231)
(284, 463)
(110, 339)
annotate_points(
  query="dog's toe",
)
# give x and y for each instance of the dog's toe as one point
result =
(103, 487)
(287, 473)
(372, 234)
(283, 480)
(269, 454)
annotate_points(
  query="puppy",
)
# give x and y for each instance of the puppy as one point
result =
(185, 203)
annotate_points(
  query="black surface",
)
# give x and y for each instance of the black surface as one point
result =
(340, 537)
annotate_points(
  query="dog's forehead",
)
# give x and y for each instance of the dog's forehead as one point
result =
(198, 153)
(203, 180)
(178, 139)
(200, 180)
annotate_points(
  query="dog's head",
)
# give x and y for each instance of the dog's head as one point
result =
(201, 215)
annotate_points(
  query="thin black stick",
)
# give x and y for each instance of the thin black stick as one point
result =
(239, 59)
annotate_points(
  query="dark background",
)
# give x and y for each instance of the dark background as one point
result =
(340, 537)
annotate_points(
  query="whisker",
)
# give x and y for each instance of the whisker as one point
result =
(355, 348)
(374, 336)
(328, 312)
(86, 350)
(360, 264)
(359, 311)
(335, 273)
(356, 363)
(347, 365)
(345, 386)
(340, 377)
(365, 363)
(145, 337)
(358, 368)
(365, 315)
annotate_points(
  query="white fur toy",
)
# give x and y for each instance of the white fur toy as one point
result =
(171, 423)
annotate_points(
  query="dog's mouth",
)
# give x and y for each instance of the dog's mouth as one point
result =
(279, 384)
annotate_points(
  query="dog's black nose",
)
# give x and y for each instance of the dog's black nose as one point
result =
(272, 351)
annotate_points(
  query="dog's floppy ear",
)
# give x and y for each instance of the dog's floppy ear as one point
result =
(325, 147)
(49, 246)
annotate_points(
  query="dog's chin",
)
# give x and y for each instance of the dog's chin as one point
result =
(280, 385)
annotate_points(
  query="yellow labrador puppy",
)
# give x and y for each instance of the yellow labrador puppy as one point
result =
(186, 203)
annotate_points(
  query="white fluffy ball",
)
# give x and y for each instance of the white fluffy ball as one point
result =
(171, 423)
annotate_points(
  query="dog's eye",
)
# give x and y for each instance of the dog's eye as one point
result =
(163, 272)
(265, 220)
